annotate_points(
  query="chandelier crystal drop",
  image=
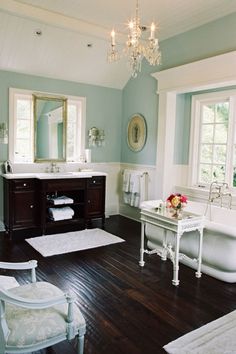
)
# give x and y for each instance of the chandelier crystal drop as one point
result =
(136, 49)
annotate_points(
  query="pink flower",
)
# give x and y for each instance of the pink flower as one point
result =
(183, 199)
(176, 201)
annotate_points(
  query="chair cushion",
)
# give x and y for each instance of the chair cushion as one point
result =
(28, 326)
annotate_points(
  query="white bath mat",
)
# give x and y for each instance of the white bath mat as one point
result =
(8, 282)
(72, 241)
(216, 337)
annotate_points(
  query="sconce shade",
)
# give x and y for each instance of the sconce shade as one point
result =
(96, 137)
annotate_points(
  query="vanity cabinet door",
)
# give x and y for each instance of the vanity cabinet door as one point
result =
(25, 208)
(21, 206)
(96, 197)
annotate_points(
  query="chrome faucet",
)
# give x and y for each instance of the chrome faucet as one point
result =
(54, 168)
(219, 191)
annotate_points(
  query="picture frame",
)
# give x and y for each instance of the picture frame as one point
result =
(136, 132)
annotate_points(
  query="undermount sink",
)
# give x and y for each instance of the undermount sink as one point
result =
(57, 175)
(54, 174)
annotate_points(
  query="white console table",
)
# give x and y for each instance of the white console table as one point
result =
(165, 220)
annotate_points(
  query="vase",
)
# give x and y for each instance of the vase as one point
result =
(177, 213)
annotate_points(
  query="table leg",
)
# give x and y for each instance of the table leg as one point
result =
(141, 262)
(164, 246)
(175, 280)
(199, 260)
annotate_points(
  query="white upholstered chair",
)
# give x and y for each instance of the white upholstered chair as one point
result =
(37, 315)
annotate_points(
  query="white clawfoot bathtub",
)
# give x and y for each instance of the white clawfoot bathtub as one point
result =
(219, 241)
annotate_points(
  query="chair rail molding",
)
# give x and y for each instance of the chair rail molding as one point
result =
(214, 72)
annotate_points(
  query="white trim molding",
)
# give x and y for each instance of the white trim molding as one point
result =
(214, 72)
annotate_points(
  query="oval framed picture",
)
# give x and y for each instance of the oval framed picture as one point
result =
(136, 132)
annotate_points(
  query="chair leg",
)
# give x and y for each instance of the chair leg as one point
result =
(80, 344)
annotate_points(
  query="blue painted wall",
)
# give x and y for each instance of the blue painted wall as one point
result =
(139, 96)
(208, 40)
(103, 108)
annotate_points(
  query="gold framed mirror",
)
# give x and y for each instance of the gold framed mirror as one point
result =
(50, 122)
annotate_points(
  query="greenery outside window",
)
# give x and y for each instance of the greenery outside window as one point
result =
(213, 139)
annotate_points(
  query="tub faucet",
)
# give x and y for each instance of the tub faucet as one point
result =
(219, 191)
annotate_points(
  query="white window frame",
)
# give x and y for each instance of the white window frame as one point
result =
(197, 101)
(80, 146)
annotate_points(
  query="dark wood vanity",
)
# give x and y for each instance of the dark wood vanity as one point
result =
(27, 202)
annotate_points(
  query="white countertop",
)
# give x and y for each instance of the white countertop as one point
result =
(55, 175)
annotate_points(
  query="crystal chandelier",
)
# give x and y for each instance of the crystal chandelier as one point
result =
(136, 48)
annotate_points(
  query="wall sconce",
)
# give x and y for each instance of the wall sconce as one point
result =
(96, 137)
(3, 133)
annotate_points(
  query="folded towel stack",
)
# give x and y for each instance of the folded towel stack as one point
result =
(61, 200)
(64, 213)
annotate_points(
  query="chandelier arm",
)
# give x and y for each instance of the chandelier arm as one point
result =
(135, 50)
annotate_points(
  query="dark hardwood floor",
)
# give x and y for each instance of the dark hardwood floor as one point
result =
(128, 309)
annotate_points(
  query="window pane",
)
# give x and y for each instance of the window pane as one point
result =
(208, 113)
(23, 129)
(72, 113)
(222, 112)
(221, 133)
(218, 172)
(23, 148)
(234, 156)
(205, 175)
(207, 133)
(206, 153)
(23, 109)
(220, 154)
(234, 177)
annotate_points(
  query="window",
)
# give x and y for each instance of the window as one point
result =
(21, 127)
(213, 139)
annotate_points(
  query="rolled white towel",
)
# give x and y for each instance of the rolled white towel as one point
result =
(61, 212)
(61, 200)
(58, 218)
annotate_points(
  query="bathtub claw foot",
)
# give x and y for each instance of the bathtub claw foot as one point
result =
(175, 282)
(198, 274)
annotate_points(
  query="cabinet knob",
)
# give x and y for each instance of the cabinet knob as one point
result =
(24, 184)
(31, 206)
(94, 181)
(88, 201)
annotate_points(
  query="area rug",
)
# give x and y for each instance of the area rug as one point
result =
(51, 245)
(216, 337)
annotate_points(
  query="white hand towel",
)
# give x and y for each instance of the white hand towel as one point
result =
(126, 181)
(135, 182)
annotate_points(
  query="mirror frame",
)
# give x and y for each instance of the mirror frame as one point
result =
(63, 100)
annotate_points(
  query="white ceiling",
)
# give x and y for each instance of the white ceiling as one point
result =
(69, 25)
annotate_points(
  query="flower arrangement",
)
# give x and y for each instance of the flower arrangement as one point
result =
(176, 201)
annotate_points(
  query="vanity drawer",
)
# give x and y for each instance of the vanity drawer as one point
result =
(63, 184)
(96, 181)
(23, 184)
